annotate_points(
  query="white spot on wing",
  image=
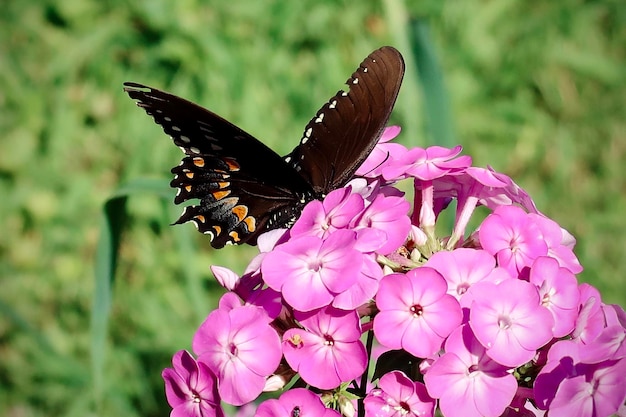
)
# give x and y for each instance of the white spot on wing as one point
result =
(308, 132)
(344, 94)
(167, 119)
(319, 118)
(355, 81)
(185, 139)
(304, 140)
(333, 104)
(176, 128)
(193, 149)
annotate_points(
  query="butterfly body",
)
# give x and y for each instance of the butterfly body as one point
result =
(243, 186)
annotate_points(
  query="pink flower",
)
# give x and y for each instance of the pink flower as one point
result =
(321, 218)
(389, 215)
(428, 164)
(191, 388)
(467, 382)
(328, 350)
(398, 396)
(415, 314)
(464, 267)
(298, 402)
(509, 320)
(241, 348)
(597, 390)
(364, 288)
(310, 272)
(558, 290)
(590, 321)
(513, 237)
(383, 155)
(568, 386)
(558, 241)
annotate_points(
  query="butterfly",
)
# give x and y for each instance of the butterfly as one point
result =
(243, 187)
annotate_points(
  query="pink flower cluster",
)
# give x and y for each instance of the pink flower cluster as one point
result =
(490, 322)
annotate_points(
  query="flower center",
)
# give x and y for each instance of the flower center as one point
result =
(504, 322)
(295, 412)
(403, 408)
(417, 310)
(233, 349)
(462, 288)
(315, 265)
(195, 397)
(328, 340)
(296, 340)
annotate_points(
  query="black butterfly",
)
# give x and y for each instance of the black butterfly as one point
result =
(244, 187)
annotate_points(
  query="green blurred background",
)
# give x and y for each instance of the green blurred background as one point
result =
(535, 89)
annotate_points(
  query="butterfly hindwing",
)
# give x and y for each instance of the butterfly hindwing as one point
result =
(345, 130)
(242, 184)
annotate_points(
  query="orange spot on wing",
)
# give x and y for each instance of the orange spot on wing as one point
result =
(240, 211)
(235, 236)
(218, 230)
(251, 223)
(218, 195)
(189, 175)
(199, 162)
(232, 164)
(188, 188)
(200, 218)
(223, 184)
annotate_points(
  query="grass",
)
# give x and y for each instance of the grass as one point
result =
(536, 90)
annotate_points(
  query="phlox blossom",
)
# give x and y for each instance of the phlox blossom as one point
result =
(464, 267)
(241, 348)
(510, 234)
(389, 215)
(428, 164)
(327, 350)
(559, 293)
(467, 382)
(321, 218)
(298, 402)
(416, 313)
(191, 388)
(385, 153)
(509, 320)
(310, 272)
(398, 396)
(569, 386)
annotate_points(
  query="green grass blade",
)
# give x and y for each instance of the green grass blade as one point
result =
(112, 225)
(436, 103)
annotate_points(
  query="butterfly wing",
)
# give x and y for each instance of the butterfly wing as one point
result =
(243, 186)
(346, 129)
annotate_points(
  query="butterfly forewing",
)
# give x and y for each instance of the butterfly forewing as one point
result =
(345, 130)
(242, 184)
